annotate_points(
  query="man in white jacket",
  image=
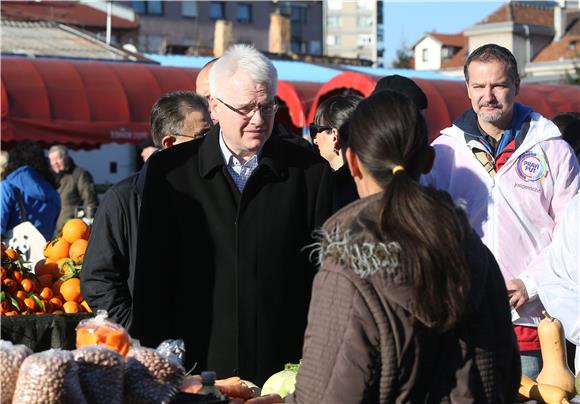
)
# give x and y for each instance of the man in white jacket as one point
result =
(515, 175)
(559, 284)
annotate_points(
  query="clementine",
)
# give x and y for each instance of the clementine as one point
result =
(67, 267)
(57, 249)
(56, 287)
(45, 281)
(71, 307)
(77, 249)
(56, 302)
(71, 290)
(75, 229)
(46, 293)
(27, 285)
(12, 254)
(46, 267)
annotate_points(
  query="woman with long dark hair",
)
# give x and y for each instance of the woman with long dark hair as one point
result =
(27, 179)
(408, 305)
(327, 133)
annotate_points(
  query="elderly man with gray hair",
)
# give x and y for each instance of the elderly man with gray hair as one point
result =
(223, 229)
(75, 186)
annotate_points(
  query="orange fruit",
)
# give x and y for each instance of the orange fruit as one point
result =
(71, 290)
(56, 287)
(57, 249)
(48, 307)
(12, 254)
(27, 285)
(56, 302)
(45, 281)
(46, 293)
(17, 276)
(4, 273)
(77, 249)
(71, 307)
(65, 267)
(86, 306)
(9, 285)
(20, 294)
(31, 304)
(75, 229)
(46, 267)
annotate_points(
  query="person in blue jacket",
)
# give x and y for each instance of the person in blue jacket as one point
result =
(27, 173)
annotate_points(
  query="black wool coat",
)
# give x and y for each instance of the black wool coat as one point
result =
(226, 271)
(109, 262)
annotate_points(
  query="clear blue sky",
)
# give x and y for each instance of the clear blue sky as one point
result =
(406, 21)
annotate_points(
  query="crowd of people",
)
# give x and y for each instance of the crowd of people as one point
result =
(396, 269)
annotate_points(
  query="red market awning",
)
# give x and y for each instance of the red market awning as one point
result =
(448, 98)
(297, 98)
(88, 103)
(83, 103)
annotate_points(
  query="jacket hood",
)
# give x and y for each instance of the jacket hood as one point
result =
(30, 183)
(351, 238)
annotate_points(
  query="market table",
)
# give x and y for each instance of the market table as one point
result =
(42, 332)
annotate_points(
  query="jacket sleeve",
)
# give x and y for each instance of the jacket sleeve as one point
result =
(559, 283)
(105, 273)
(340, 345)
(86, 188)
(566, 185)
(7, 207)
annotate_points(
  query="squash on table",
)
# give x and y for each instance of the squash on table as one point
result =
(555, 371)
(543, 393)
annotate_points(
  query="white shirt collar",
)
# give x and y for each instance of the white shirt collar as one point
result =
(229, 157)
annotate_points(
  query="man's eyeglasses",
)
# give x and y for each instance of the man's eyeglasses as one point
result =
(198, 135)
(266, 110)
(316, 129)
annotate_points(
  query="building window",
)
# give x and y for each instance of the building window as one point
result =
(364, 21)
(364, 40)
(217, 10)
(335, 5)
(189, 9)
(244, 13)
(424, 55)
(333, 21)
(365, 4)
(332, 40)
(298, 14)
(148, 7)
(298, 46)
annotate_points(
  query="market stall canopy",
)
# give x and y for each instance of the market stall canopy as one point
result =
(83, 103)
(448, 98)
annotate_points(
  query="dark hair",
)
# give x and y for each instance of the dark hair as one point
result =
(170, 110)
(404, 85)
(387, 130)
(491, 52)
(31, 154)
(336, 112)
(569, 125)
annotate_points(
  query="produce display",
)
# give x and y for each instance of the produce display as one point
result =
(100, 331)
(282, 383)
(555, 382)
(54, 287)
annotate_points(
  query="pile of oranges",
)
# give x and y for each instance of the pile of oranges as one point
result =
(54, 287)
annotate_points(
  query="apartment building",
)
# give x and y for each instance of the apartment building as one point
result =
(189, 26)
(354, 29)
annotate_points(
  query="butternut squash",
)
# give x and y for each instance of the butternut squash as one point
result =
(555, 371)
(543, 393)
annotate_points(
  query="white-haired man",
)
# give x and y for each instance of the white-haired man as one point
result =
(222, 231)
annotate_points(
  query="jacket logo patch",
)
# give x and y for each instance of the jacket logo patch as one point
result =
(531, 167)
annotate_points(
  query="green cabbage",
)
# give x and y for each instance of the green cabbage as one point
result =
(282, 383)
